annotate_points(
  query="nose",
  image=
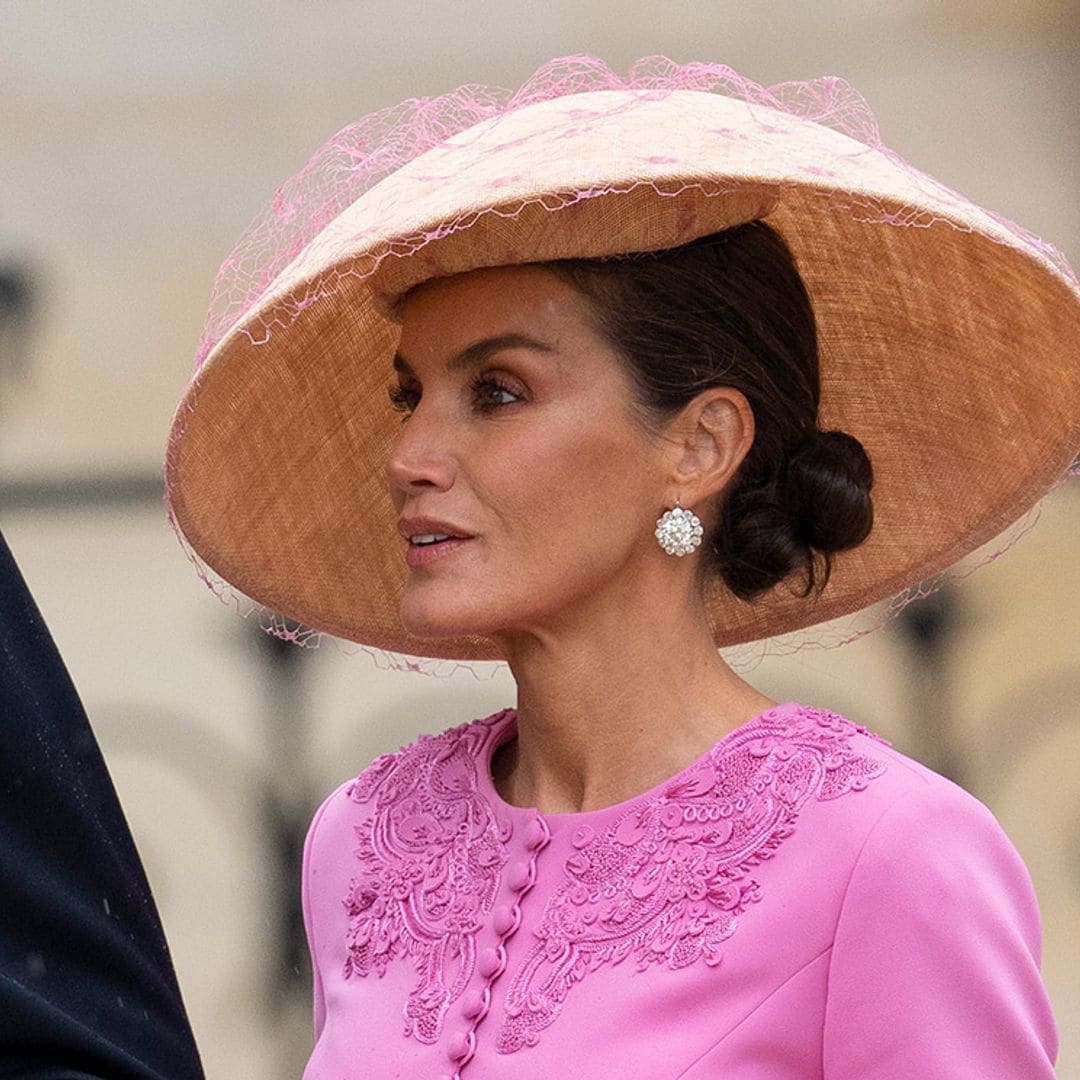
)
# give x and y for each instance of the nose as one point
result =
(420, 457)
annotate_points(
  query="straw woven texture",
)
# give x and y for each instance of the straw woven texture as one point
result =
(948, 344)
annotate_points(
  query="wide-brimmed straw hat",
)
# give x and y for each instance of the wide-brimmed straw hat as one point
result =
(949, 336)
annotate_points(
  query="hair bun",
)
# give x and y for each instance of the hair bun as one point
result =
(827, 491)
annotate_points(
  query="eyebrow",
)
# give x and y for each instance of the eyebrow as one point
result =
(475, 354)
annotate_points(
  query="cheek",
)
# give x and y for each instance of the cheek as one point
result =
(579, 490)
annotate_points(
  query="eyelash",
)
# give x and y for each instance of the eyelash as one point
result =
(406, 398)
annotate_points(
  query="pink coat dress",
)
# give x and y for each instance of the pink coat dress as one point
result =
(802, 902)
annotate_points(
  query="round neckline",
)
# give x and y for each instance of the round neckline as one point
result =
(506, 728)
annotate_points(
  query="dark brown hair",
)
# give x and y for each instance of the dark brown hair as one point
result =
(731, 310)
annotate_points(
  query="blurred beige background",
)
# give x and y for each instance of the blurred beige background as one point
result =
(137, 140)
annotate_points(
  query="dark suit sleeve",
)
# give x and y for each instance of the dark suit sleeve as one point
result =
(87, 988)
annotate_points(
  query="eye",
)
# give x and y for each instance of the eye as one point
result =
(403, 398)
(491, 392)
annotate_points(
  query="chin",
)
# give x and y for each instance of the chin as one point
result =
(429, 618)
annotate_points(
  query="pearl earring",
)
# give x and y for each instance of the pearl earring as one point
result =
(679, 531)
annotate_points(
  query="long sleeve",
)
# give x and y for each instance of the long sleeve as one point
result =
(934, 970)
(309, 880)
(86, 984)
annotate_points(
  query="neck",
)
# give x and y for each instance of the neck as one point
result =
(611, 707)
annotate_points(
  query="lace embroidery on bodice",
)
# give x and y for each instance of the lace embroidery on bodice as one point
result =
(666, 882)
(431, 854)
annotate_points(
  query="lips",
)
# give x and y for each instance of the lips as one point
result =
(417, 555)
(431, 542)
(424, 526)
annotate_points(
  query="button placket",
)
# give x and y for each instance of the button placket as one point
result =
(520, 878)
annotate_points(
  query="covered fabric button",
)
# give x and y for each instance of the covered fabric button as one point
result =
(489, 963)
(458, 1047)
(536, 834)
(503, 919)
(517, 876)
(473, 1004)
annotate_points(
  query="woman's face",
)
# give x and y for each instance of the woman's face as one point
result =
(517, 435)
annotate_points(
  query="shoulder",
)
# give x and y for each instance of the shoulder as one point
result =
(929, 859)
(918, 816)
(897, 793)
(929, 846)
(815, 754)
(900, 827)
(447, 761)
(399, 807)
(937, 941)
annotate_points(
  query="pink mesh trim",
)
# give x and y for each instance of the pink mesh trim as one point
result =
(363, 153)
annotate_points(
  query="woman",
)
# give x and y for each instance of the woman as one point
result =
(648, 338)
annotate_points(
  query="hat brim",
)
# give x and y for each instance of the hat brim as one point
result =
(947, 347)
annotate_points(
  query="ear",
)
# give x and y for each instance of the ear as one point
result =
(711, 435)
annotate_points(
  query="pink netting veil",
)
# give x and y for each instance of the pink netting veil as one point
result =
(923, 299)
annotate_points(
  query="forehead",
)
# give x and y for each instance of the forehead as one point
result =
(446, 315)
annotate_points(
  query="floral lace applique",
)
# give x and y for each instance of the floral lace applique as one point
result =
(667, 882)
(431, 853)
